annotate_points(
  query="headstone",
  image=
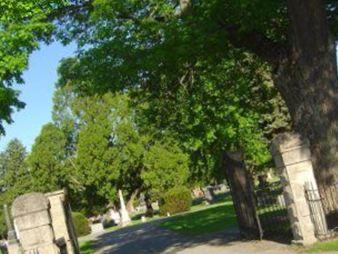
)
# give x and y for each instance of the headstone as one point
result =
(198, 192)
(115, 216)
(125, 219)
(292, 157)
(155, 205)
(96, 228)
(209, 194)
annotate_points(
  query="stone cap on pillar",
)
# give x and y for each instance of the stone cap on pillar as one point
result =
(29, 203)
(59, 193)
(286, 142)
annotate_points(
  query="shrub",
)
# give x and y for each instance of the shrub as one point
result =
(176, 200)
(81, 224)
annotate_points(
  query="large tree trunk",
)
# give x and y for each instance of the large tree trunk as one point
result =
(149, 207)
(241, 190)
(307, 80)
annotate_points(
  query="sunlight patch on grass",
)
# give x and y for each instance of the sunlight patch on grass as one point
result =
(324, 246)
(86, 247)
(208, 220)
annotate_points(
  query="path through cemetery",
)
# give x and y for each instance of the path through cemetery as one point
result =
(149, 238)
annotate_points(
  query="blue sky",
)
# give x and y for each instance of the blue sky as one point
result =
(37, 93)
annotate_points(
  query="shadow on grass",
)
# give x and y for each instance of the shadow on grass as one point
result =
(213, 225)
(149, 238)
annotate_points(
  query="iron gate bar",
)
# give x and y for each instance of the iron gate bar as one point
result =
(272, 212)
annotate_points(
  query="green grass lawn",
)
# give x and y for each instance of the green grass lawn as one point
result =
(86, 247)
(203, 219)
(324, 246)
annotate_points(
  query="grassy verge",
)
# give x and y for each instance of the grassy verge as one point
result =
(204, 220)
(201, 219)
(319, 247)
(86, 247)
(135, 220)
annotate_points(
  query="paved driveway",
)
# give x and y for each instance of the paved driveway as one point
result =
(149, 238)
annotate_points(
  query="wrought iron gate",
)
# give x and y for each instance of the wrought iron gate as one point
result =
(324, 218)
(272, 214)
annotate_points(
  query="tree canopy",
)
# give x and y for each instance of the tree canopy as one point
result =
(23, 26)
(15, 177)
(47, 160)
(204, 76)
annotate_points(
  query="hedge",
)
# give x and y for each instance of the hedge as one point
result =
(176, 200)
(81, 224)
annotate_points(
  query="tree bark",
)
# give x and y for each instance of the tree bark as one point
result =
(307, 80)
(150, 209)
(241, 190)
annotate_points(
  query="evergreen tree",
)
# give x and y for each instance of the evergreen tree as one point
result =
(47, 160)
(15, 177)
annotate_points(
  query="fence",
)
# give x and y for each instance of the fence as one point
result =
(330, 203)
(272, 212)
(323, 209)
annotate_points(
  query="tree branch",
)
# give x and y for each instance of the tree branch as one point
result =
(258, 44)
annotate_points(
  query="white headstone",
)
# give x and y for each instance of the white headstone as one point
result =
(125, 219)
(96, 228)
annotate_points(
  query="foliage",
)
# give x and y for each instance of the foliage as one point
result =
(47, 160)
(64, 117)
(209, 95)
(94, 155)
(3, 226)
(23, 24)
(81, 224)
(176, 200)
(110, 152)
(165, 166)
(15, 177)
(113, 153)
(128, 45)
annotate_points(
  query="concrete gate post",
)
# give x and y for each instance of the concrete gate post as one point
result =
(62, 220)
(33, 224)
(292, 157)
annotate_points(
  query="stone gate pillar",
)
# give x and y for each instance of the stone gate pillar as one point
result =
(62, 220)
(292, 157)
(33, 224)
